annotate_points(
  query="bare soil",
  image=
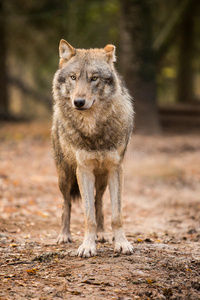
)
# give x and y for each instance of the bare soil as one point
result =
(161, 212)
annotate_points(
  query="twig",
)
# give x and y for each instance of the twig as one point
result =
(17, 263)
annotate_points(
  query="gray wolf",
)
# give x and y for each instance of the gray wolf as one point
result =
(92, 124)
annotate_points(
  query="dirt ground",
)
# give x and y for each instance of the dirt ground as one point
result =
(161, 212)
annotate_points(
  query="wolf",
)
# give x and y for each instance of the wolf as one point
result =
(92, 124)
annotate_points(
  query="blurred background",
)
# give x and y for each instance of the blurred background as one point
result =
(158, 45)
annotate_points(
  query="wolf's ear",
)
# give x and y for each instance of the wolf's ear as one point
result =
(110, 53)
(66, 51)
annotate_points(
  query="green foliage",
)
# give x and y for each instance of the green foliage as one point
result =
(34, 29)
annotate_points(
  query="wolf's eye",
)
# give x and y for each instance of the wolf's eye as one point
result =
(94, 78)
(73, 77)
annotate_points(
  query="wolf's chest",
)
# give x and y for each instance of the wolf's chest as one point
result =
(104, 137)
(98, 160)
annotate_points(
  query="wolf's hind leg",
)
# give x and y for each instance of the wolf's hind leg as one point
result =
(65, 235)
(100, 184)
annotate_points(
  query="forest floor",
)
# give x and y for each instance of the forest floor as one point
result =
(161, 213)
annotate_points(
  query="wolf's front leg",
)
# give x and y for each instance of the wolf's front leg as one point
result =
(86, 181)
(115, 186)
(65, 235)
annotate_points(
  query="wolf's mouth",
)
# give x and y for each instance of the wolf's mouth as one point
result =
(81, 108)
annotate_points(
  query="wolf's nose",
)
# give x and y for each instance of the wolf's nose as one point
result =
(79, 102)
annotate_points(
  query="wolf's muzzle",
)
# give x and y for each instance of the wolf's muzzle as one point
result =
(79, 103)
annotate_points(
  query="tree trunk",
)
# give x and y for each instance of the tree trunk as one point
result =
(4, 105)
(185, 76)
(138, 63)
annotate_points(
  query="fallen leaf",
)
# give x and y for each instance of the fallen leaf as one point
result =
(139, 240)
(13, 245)
(150, 281)
(31, 271)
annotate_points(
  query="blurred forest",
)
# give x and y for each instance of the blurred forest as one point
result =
(158, 45)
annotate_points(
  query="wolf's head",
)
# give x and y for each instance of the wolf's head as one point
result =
(85, 77)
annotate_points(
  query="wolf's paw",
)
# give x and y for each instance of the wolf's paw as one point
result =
(64, 238)
(101, 237)
(124, 247)
(87, 249)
